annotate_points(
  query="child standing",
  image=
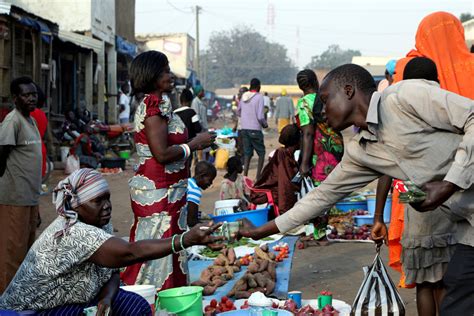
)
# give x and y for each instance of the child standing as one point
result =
(204, 175)
(232, 186)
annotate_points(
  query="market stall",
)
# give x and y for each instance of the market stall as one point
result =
(283, 271)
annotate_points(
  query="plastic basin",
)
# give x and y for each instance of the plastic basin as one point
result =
(125, 154)
(223, 207)
(257, 217)
(363, 220)
(387, 211)
(182, 301)
(347, 206)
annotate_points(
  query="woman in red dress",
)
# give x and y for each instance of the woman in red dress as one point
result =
(158, 189)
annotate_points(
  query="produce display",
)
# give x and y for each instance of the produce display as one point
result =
(351, 233)
(260, 275)
(216, 307)
(212, 253)
(222, 270)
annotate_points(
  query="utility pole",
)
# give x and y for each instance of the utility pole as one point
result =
(197, 11)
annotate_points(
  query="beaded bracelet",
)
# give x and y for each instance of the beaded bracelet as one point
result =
(172, 243)
(181, 240)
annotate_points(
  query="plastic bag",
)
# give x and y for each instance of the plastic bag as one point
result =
(306, 187)
(72, 164)
(377, 295)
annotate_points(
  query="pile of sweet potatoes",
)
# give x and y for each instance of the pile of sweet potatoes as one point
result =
(260, 275)
(222, 270)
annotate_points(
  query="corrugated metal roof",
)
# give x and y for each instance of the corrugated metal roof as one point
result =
(82, 40)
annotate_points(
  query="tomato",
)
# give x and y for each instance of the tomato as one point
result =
(224, 299)
(213, 303)
(229, 304)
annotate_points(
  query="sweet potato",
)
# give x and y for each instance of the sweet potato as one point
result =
(263, 265)
(218, 282)
(219, 270)
(270, 286)
(272, 270)
(199, 283)
(224, 251)
(240, 285)
(221, 260)
(236, 268)
(230, 271)
(251, 281)
(261, 280)
(226, 276)
(231, 255)
(266, 274)
(253, 267)
(206, 275)
(272, 255)
(209, 290)
(264, 247)
(242, 294)
(261, 254)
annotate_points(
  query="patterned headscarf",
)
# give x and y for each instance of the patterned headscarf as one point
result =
(80, 187)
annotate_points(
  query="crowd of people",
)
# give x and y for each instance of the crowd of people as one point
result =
(418, 125)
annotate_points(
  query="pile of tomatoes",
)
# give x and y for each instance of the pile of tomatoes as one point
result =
(283, 252)
(214, 307)
(245, 260)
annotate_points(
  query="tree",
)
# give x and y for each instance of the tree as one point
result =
(466, 17)
(236, 56)
(332, 57)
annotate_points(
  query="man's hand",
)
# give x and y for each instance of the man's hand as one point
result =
(247, 229)
(379, 233)
(103, 307)
(437, 193)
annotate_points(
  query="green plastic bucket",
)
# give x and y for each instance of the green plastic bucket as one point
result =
(182, 301)
(125, 154)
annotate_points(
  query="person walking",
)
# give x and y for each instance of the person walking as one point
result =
(285, 111)
(251, 112)
(158, 188)
(124, 104)
(199, 107)
(20, 179)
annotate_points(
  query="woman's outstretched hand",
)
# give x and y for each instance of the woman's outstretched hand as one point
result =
(201, 234)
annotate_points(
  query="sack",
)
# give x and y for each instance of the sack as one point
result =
(306, 187)
(72, 164)
(377, 295)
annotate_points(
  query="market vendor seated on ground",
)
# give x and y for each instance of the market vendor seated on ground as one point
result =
(204, 175)
(280, 170)
(88, 148)
(74, 263)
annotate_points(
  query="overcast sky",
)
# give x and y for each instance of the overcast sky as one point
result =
(375, 27)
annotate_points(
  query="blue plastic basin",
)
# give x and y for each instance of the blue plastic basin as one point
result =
(363, 220)
(387, 211)
(257, 217)
(349, 206)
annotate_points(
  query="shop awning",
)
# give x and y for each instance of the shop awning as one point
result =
(46, 34)
(82, 41)
(125, 47)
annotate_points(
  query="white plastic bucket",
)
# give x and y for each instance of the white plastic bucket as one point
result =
(148, 292)
(64, 152)
(224, 207)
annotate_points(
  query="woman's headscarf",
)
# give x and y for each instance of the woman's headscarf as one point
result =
(78, 188)
(440, 37)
